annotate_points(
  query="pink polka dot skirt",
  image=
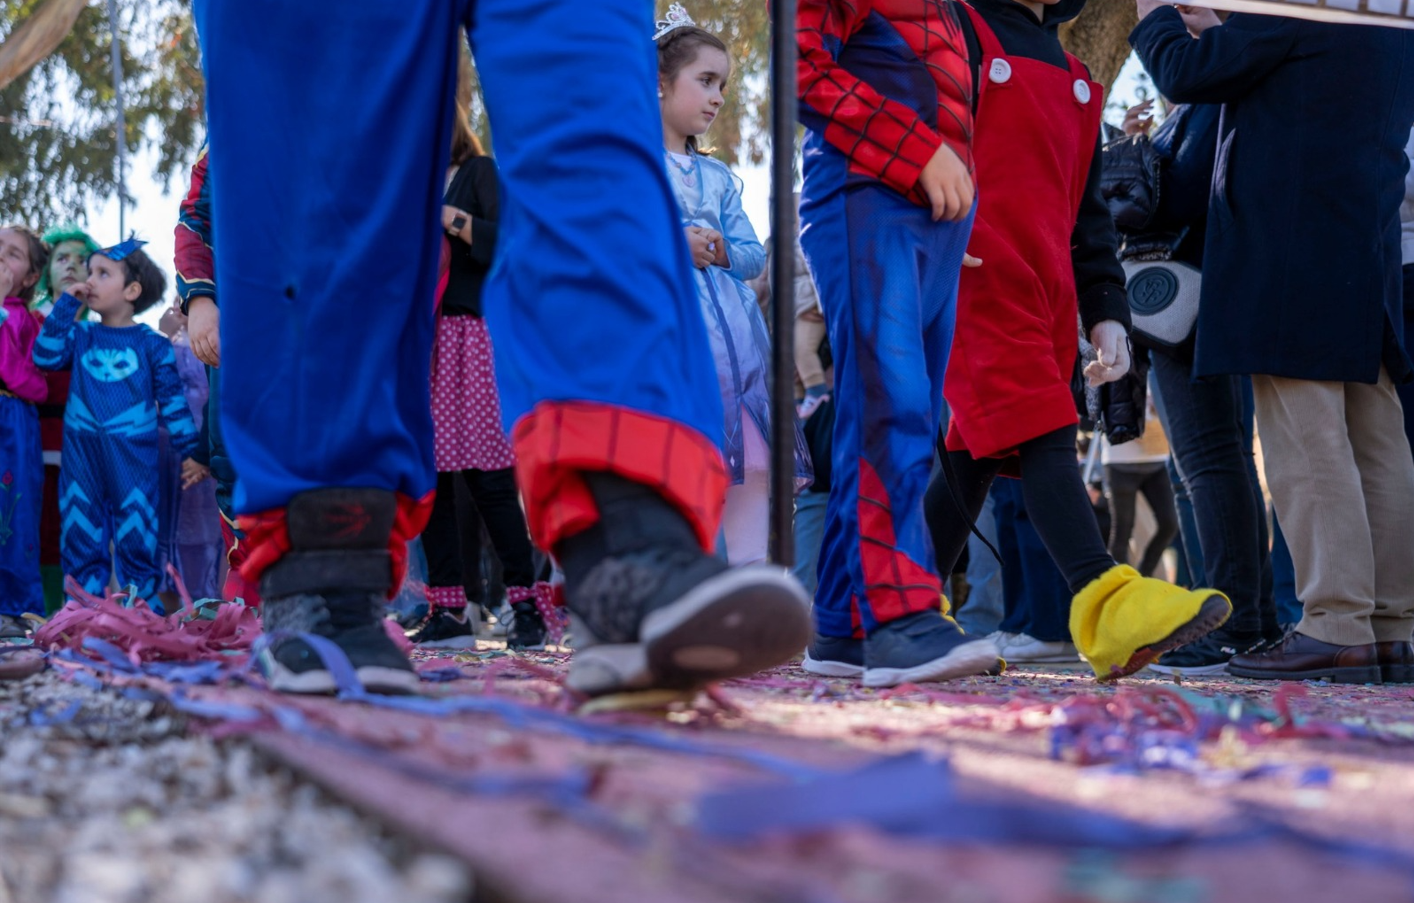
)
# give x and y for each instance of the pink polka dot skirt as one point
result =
(466, 407)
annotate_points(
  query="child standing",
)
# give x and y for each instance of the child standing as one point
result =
(692, 70)
(1047, 246)
(470, 441)
(124, 380)
(22, 259)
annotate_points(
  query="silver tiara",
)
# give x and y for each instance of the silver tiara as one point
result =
(676, 18)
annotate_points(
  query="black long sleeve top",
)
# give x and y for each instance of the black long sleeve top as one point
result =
(474, 189)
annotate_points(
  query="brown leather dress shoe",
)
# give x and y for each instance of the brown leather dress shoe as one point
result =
(1396, 662)
(1301, 657)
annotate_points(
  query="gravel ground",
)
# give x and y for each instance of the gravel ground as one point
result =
(120, 803)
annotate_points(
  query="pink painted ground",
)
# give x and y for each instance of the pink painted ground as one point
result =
(1052, 737)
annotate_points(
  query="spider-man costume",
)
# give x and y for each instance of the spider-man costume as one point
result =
(332, 137)
(883, 84)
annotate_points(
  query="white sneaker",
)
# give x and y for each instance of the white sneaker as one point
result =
(1001, 639)
(1027, 650)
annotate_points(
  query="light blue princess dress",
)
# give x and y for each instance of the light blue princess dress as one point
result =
(708, 196)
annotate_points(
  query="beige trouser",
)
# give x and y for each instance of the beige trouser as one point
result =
(1342, 479)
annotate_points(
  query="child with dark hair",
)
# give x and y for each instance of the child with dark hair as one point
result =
(124, 380)
(22, 259)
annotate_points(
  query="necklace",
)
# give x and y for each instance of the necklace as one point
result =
(688, 171)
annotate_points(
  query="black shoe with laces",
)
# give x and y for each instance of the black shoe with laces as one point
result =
(921, 647)
(649, 609)
(1209, 654)
(444, 628)
(527, 629)
(333, 583)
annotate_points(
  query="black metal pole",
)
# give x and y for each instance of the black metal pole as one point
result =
(783, 227)
(121, 125)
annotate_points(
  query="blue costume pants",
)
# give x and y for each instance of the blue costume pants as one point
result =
(108, 496)
(21, 491)
(887, 276)
(331, 130)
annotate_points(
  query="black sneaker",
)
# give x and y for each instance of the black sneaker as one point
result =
(835, 656)
(921, 647)
(13, 628)
(1207, 655)
(333, 583)
(444, 628)
(527, 628)
(650, 609)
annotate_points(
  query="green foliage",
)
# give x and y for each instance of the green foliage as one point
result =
(58, 145)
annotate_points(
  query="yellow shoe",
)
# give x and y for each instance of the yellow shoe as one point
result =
(1121, 622)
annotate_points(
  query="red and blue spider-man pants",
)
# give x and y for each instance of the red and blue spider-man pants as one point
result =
(887, 276)
(331, 127)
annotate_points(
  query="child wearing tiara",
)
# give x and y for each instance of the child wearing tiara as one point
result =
(124, 380)
(692, 70)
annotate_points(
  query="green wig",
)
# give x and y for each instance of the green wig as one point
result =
(43, 291)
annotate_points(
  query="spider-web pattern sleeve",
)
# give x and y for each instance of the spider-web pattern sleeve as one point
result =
(881, 137)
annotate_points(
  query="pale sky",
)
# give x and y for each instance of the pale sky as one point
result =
(154, 214)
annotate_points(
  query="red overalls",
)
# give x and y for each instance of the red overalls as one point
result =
(1016, 340)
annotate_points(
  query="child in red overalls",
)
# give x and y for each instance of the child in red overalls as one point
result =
(1047, 247)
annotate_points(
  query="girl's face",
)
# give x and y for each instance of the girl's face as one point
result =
(66, 267)
(109, 288)
(14, 256)
(693, 98)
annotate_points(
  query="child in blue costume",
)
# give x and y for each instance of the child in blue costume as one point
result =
(22, 259)
(332, 136)
(124, 380)
(692, 70)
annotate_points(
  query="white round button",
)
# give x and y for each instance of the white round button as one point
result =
(1082, 90)
(1000, 73)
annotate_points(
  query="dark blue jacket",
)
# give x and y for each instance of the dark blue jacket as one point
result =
(1301, 269)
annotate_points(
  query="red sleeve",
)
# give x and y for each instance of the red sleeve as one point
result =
(196, 269)
(881, 137)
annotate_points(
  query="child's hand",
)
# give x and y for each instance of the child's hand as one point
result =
(204, 330)
(699, 243)
(193, 473)
(948, 185)
(81, 291)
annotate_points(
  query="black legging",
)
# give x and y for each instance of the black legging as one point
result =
(1056, 502)
(1124, 483)
(498, 501)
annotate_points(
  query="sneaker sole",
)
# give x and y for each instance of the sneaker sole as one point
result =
(967, 660)
(827, 668)
(1195, 670)
(461, 642)
(318, 682)
(735, 624)
(1212, 614)
(1054, 658)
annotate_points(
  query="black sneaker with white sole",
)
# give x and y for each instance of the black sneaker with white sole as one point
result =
(333, 583)
(1207, 655)
(650, 609)
(527, 628)
(445, 628)
(835, 656)
(924, 646)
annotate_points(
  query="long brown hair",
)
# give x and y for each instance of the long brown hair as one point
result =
(677, 50)
(465, 144)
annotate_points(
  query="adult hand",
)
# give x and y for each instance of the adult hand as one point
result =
(1139, 119)
(1198, 19)
(948, 185)
(1148, 6)
(699, 242)
(1111, 342)
(450, 213)
(193, 473)
(204, 330)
